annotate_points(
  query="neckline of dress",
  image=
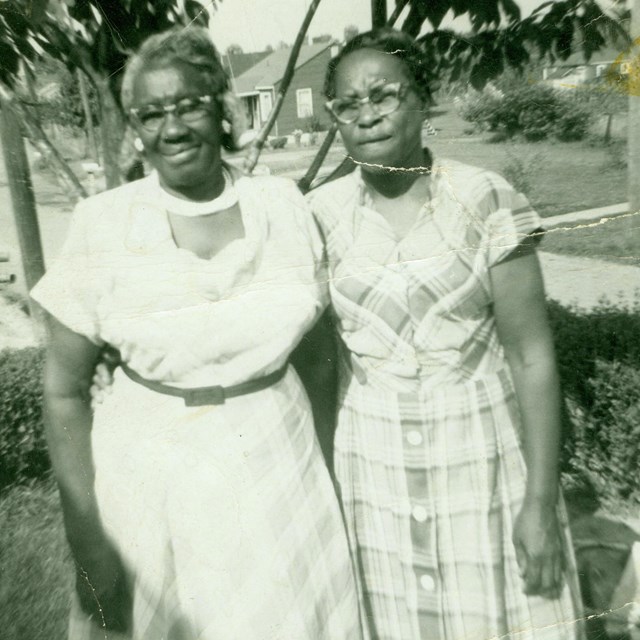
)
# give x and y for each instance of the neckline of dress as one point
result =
(192, 209)
(364, 202)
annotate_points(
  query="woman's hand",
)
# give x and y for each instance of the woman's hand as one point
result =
(102, 380)
(539, 552)
(103, 590)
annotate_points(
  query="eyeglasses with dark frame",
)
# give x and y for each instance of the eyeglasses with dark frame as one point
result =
(151, 117)
(384, 99)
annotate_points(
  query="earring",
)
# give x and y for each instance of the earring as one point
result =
(428, 129)
(138, 145)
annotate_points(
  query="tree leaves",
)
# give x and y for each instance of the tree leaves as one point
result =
(499, 38)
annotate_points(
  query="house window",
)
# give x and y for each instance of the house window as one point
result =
(266, 104)
(625, 68)
(304, 101)
(600, 70)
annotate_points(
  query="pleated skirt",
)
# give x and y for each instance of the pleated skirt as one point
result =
(431, 484)
(225, 516)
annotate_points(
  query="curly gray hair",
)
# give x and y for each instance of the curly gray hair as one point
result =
(184, 45)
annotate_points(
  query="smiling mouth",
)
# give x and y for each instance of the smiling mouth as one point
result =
(181, 155)
(374, 140)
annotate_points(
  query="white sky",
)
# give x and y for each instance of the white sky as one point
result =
(254, 24)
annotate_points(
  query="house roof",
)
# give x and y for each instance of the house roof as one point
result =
(270, 70)
(236, 64)
(605, 55)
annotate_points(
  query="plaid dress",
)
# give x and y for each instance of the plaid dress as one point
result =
(225, 516)
(428, 446)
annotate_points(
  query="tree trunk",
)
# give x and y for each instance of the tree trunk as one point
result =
(304, 184)
(88, 116)
(378, 13)
(23, 200)
(34, 131)
(258, 144)
(111, 131)
(633, 140)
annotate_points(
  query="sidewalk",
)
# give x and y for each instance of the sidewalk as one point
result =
(602, 214)
(584, 282)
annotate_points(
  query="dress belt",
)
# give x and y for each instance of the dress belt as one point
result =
(201, 396)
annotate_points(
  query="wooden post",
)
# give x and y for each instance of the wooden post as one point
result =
(633, 141)
(23, 199)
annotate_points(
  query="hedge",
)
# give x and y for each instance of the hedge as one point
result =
(22, 445)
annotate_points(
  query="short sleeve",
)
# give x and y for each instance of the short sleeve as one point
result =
(509, 220)
(70, 288)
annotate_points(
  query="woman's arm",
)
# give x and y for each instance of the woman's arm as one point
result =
(523, 329)
(101, 582)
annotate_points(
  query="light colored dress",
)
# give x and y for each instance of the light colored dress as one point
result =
(428, 446)
(225, 515)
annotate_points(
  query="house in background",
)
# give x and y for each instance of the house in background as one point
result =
(258, 86)
(235, 64)
(575, 70)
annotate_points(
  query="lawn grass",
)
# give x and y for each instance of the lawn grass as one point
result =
(616, 240)
(567, 177)
(35, 567)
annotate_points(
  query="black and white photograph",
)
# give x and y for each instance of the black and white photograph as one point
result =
(319, 320)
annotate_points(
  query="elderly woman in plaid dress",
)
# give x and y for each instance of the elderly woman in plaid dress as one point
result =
(447, 442)
(192, 510)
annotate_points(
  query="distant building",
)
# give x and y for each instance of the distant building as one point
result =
(575, 70)
(258, 86)
(236, 64)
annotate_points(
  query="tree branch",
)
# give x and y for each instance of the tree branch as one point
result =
(258, 143)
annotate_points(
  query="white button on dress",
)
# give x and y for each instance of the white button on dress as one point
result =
(414, 438)
(419, 513)
(427, 582)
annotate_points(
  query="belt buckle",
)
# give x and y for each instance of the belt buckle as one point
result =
(205, 396)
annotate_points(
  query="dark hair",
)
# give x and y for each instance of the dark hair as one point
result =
(183, 45)
(393, 42)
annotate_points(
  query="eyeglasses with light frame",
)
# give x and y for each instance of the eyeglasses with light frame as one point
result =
(151, 117)
(384, 100)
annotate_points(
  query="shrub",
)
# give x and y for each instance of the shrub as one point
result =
(599, 362)
(521, 170)
(22, 445)
(278, 143)
(605, 439)
(479, 107)
(572, 123)
(607, 333)
(533, 111)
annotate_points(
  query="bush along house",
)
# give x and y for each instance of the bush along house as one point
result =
(303, 106)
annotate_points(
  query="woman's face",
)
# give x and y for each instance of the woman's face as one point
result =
(186, 156)
(393, 140)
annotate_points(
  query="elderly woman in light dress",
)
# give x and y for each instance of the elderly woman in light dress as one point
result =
(197, 491)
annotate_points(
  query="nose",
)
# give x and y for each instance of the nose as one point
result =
(367, 116)
(173, 127)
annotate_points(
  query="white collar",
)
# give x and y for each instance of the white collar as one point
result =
(192, 209)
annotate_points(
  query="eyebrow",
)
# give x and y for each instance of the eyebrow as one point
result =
(381, 82)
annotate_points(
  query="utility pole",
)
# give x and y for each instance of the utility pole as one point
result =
(23, 199)
(633, 140)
